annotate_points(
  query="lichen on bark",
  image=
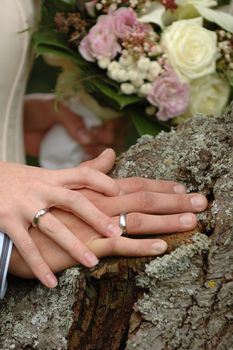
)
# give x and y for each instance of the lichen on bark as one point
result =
(188, 310)
(34, 317)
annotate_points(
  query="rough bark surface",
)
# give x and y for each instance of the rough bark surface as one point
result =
(183, 300)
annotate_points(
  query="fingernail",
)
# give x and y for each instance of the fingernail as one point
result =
(90, 259)
(159, 247)
(186, 219)
(51, 280)
(179, 189)
(84, 138)
(198, 202)
(114, 230)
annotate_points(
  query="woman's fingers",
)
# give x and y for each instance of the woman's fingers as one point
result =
(31, 254)
(104, 162)
(59, 233)
(123, 246)
(80, 206)
(86, 177)
(139, 184)
(138, 223)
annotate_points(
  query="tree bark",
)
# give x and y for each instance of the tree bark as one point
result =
(183, 300)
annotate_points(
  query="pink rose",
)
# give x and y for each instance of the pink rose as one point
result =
(100, 42)
(124, 20)
(170, 95)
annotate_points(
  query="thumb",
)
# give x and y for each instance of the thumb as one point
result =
(104, 162)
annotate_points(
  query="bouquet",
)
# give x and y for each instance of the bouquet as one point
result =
(160, 61)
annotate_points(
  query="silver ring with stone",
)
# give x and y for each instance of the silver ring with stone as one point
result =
(38, 215)
(123, 224)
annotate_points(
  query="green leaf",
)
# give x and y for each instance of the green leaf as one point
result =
(55, 43)
(146, 126)
(223, 2)
(51, 38)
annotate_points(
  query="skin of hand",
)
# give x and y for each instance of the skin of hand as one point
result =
(153, 207)
(24, 190)
(41, 114)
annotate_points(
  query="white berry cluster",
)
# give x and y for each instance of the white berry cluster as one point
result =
(225, 47)
(134, 75)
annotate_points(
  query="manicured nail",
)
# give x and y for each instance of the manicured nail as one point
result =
(159, 247)
(186, 219)
(50, 280)
(179, 189)
(114, 230)
(90, 259)
(198, 202)
(83, 137)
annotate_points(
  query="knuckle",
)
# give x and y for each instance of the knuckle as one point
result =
(134, 221)
(139, 184)
(146, 200)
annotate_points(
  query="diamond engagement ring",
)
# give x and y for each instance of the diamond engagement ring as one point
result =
(123, 224)
(37, 216)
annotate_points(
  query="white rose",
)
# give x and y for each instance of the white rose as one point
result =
(209, 95)
(191, 49)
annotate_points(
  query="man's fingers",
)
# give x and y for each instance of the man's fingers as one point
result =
(155, 203)
(139, 184)
(59, 233)
(138, 223)
(123, 246)
(31, 254)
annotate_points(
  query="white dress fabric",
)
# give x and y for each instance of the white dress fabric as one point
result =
(16, 16)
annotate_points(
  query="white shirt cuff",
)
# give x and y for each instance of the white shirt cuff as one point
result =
(5, 254)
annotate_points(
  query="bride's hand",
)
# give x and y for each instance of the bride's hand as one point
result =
(152, 206)
(25, 190)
